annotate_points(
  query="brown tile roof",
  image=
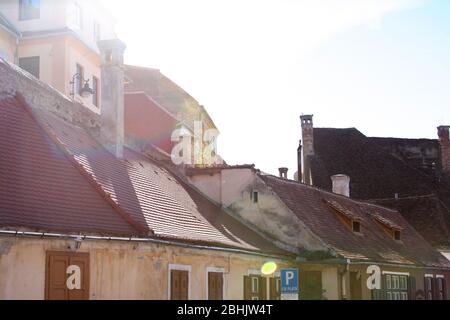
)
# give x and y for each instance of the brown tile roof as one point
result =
(57, 177)
(376, 174)
(310, 205)
(427, 214)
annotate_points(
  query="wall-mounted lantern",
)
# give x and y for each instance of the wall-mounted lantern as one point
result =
(85, 91)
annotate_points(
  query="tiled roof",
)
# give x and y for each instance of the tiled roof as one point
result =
(427, 214)
(40, 188)
(60, 178)
(310, 205)
(376, 174)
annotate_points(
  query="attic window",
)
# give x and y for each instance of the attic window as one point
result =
(391, 228)
(356, 226)
(350, 219)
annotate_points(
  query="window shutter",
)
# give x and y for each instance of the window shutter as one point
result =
(262, 288)
(412, 288)
(184, 285)
(215, 286)
(247, 288)
(274, 292)
(219, 287)
(179, 286)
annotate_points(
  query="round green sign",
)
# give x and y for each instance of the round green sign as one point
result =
(268, 268)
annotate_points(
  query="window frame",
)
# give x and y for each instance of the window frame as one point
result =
(38, 65)
(440, 280)
(396, 285)
(178, 267)
(214, 270)
(22, 11)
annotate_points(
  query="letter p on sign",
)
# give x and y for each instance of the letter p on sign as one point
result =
(289, 277)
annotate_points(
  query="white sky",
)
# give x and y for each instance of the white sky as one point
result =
(257, 65)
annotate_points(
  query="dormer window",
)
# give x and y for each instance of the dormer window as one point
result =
(350, 219)
(356, 226)
(391, 228)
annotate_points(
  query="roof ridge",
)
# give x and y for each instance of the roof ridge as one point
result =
(70, 157)
(357, 201)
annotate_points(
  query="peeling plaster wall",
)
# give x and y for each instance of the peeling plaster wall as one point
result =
(120, 270)
(233, 188)
(273, 218)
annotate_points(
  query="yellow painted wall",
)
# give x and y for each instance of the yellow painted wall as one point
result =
(59, 56)
(119, 270)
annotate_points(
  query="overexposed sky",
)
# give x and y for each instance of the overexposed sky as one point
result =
(382, 66)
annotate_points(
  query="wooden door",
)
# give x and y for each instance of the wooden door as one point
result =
(179, 285)
(67, 276)
(215, 286)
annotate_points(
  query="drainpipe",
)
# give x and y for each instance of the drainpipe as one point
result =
(342, 275)
(16, 52)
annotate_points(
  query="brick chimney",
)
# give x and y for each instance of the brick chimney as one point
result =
(444, 143)
(341, 184)
(283, 172)
(308, 147)
(112, 95)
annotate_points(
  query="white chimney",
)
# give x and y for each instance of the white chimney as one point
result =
(341, 184)
(112, 95)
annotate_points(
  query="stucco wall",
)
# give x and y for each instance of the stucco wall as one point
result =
(7, 45)
(120, 270)
(274, 219)
(40, 96)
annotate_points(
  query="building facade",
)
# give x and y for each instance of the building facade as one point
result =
(56, 41)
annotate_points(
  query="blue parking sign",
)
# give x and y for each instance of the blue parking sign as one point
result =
(289, 281)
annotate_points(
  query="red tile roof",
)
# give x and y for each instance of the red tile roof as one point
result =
(57, 177)
(40, 188)
(309, 204)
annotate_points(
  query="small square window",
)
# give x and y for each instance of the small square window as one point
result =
(397, 235)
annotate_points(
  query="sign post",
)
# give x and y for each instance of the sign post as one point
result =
(289, 284)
